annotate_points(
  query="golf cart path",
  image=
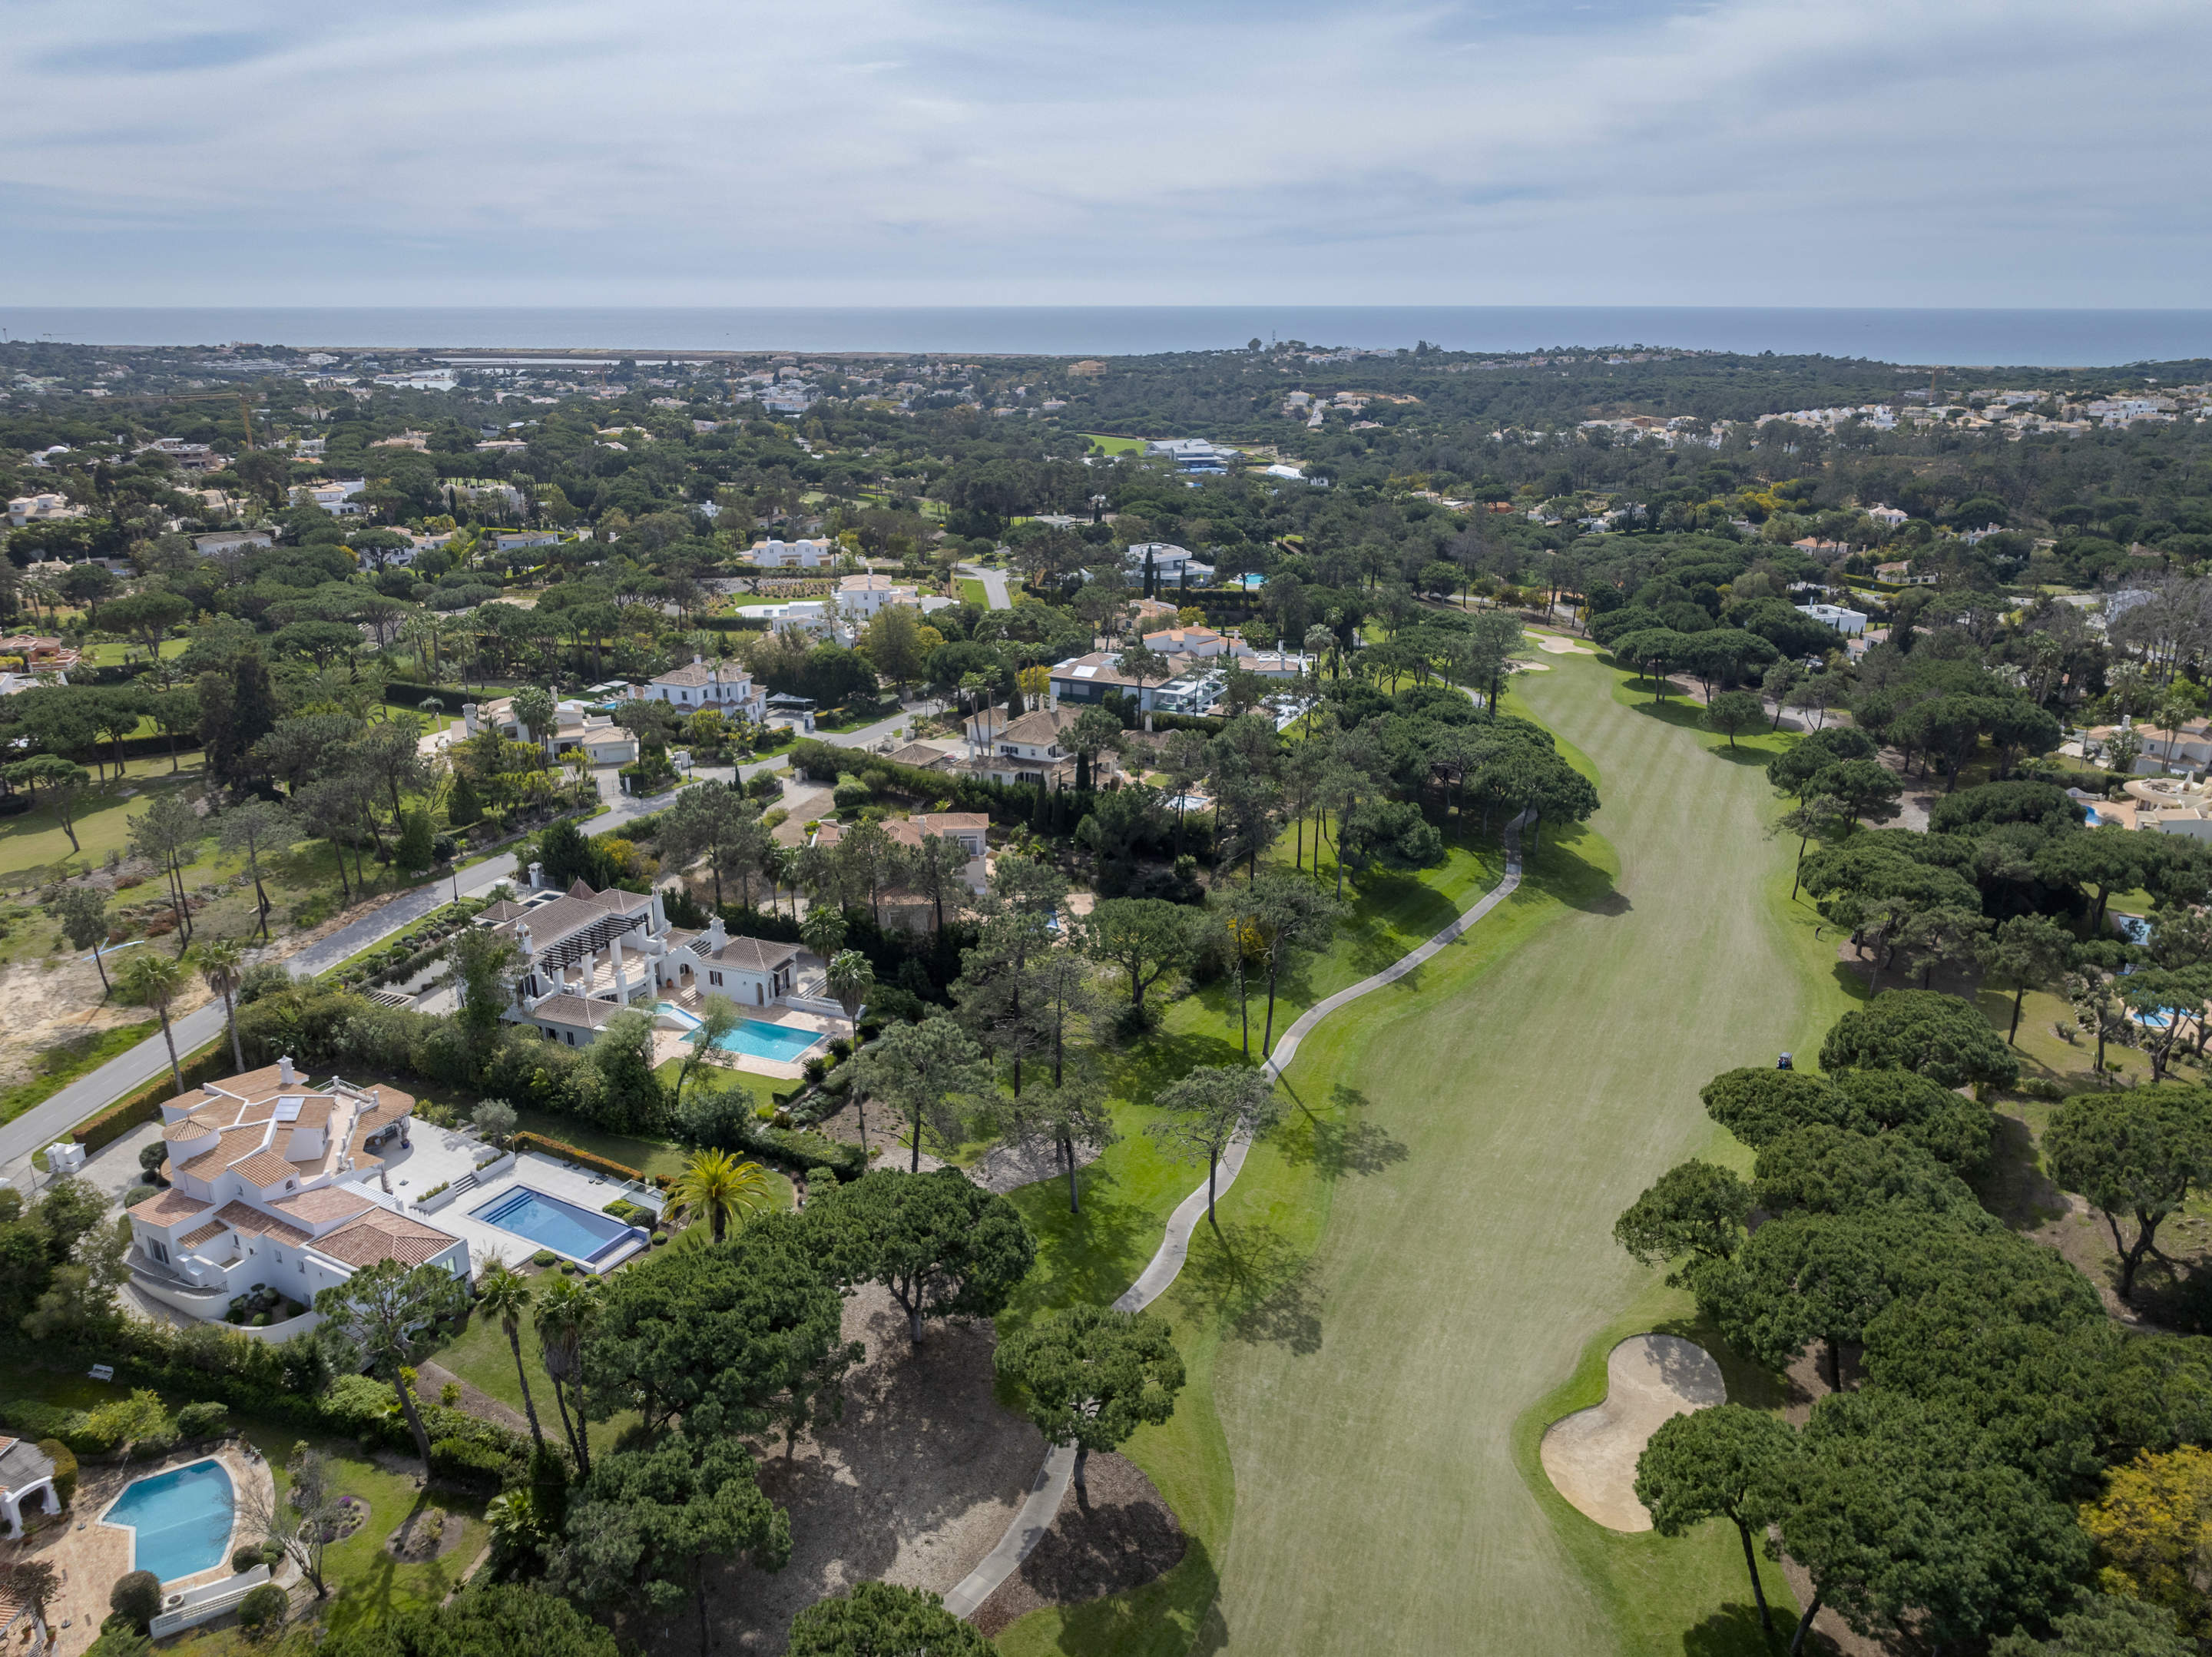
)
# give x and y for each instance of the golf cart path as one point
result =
(1049, 1487)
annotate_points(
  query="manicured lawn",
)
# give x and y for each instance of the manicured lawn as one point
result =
(648, 1155)
(1117, 445)
(1466, 1269)
(974, 592)
(35, 838)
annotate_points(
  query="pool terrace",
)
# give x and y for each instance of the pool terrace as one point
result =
(471, 1199)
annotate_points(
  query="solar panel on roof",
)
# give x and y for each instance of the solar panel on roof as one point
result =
(288, 1110)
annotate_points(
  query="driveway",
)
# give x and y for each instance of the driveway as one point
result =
(995, 584)
(127, 1072)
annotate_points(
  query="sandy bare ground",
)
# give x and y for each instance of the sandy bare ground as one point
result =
(1590, 1456)
(1119, 1537)
(913, 1486)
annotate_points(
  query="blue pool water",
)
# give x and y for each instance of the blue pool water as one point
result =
(777, 1041)
(552, 1224)
(2092, 820)
(181, 1520)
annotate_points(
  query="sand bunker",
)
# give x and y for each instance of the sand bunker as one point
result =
(1561, 647)
(1590, 1456)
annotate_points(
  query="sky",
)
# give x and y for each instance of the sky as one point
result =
(1975, 153)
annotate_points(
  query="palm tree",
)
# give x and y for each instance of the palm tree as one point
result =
(822, 931)
(504, 1293)
(849, 978)
(718, 1186)
(152, 980)
(566, 1313)
(222, 964)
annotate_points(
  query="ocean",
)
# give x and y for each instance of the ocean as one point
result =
(2020, 338)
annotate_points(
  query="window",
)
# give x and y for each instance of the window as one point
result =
(160, 1252)
(714, 978)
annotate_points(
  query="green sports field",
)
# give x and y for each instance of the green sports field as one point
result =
(1512, 1103)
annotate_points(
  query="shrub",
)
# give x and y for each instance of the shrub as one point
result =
(137, 1597)
(544, 1256)
(64, 1460)
(261, 1607)
(138, 1194)
(243, 1559)
(468, 1465)
(816, 1068)
(658, 1238)
(203, 1420)
(818, 1178)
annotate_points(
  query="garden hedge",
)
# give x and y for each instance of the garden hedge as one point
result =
(584, 1159)
(145, 1105)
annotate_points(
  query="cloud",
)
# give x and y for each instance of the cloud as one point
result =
(1971, 152)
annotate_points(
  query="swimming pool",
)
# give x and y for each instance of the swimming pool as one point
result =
(179, 1521)
(776, 1041)
(552, 1224)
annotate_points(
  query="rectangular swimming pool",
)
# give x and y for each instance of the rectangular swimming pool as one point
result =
(783, 1042)
(552, 1224)
(179, 1521)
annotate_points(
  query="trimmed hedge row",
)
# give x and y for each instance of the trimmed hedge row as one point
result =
(584, 1159)
(406, 693)
(145, 1105)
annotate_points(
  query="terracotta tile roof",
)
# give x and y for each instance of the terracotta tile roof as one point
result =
(381, 1234)
(235, 1145)
(269, 1167)
(390, 1099)
(579, 1011)
(502, 911)
(255, 1223)
(324, 1204)
(315, 1110)
(254, 1084)
(192, 1127)
(169, 1208)
(693, 673)
(754, 954)
(194, 1238)
(1040, 728)
(262, 1109)
(390, 1104)
(948, 822)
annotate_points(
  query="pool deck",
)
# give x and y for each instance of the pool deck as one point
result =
(671, 1044)
(588, 1191)
(90, 1555)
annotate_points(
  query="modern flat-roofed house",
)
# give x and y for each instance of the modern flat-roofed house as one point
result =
(700, 685)
(340, 499)
(573, 727)
(1187, 642)
(266, 1172)
(1900, 574)
(1194, 455)
(1170, 563)
(231, 541)
(1849, 623)
(1086, 679)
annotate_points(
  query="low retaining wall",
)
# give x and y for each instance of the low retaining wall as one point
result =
(202, 1605)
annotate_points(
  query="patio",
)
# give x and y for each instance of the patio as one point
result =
(672, 1044)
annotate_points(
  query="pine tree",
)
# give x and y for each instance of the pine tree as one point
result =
(252, 715)
(463, 807)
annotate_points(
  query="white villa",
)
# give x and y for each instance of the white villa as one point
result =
(589, 955)
(1027, 750)
(266, 1171)
(861, 598)
(697, 685)
(1849, 623)
(1170, 562)
(773, 554)
(597, 735)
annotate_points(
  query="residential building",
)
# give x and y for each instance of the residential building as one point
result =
(574, 726)
(231, 541)
(1193, 456)
(813, 616)
(1087, 679)
(751, 972)
(1900, 574)
(508, 540)
(41, 508)
(266, 1172)
(1849, 623)
(1029, 749)
(773, 554)
(1171, 563)
(340, 499)
(861, 598)
(1889, 517)
(722, 685)
(1187, 642)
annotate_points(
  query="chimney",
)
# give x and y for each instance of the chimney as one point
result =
(659, 914)
(717, 934)
(522, 938)
(286, 1075)
(537, 876)
(697, 658)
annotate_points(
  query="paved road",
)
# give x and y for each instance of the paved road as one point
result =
(41, 1126)
(994, 585)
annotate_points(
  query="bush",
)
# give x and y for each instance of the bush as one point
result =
(203, 1420)
(816, 1068)
(468, 1465)
(261, 1607)
(135, 1597)
(243, 1559)
(544, 1256)
(138, 1194)
(658, 1238)
(64, 1460)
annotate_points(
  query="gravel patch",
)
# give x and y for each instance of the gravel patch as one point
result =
(913, 1486)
